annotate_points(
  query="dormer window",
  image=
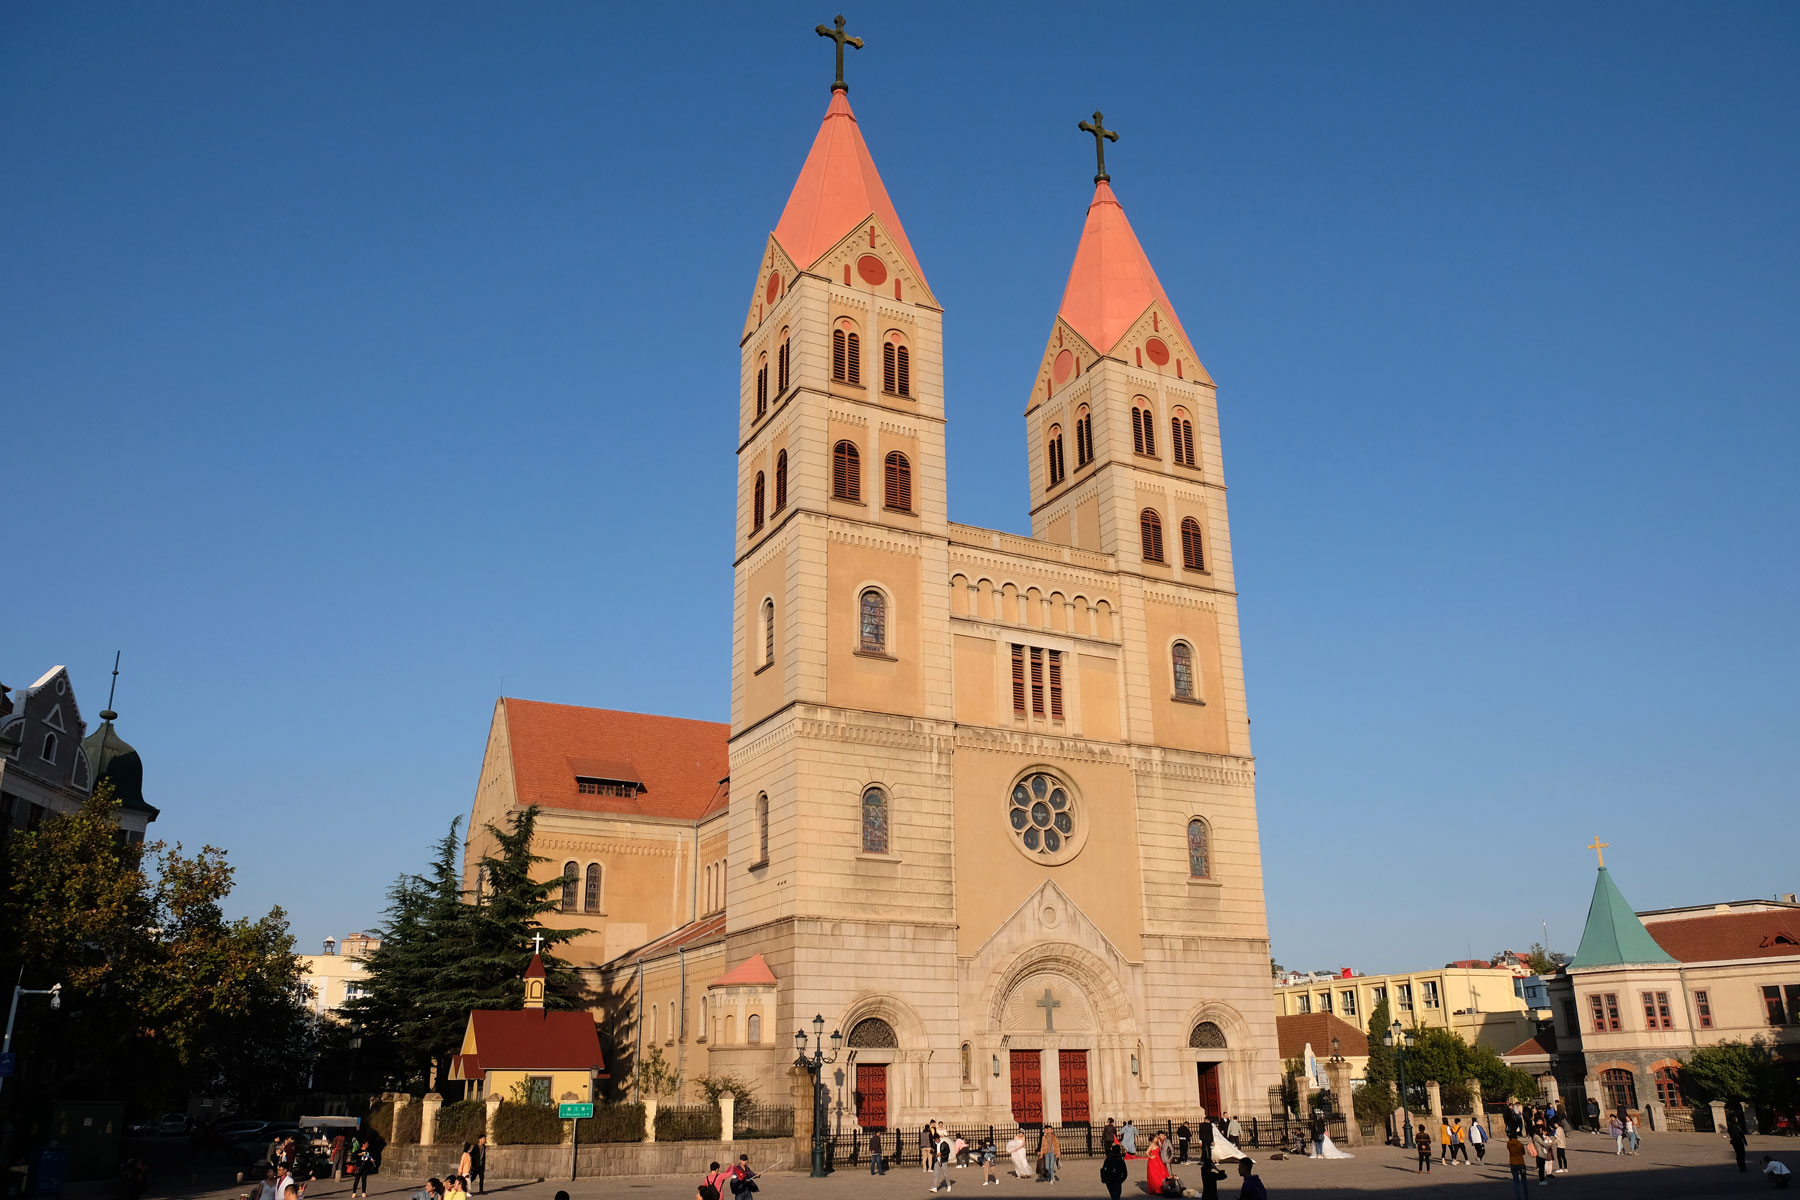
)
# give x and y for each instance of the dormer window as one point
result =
(589, 786)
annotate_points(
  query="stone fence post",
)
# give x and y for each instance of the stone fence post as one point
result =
(428, 1113)
(493, 1114)
(800, 1083)
(649, 1118)
(1477, 1102)
(1434, 1097)
(1718, 1112)
(1303, 1085)
(1340, 1090)
(727, 1115)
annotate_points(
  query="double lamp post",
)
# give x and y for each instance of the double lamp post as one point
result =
(1400, 1040)
(815, 1063)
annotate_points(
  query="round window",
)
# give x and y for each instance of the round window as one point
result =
(1044, 817)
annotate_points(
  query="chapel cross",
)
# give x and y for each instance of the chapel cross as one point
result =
(1049, 1004)
(537, 943)
(1597, 846)
(1102, 135)
(835, 32)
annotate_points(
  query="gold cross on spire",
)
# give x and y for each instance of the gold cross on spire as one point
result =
(1102, 135)
(835, 32)
(1597, 846)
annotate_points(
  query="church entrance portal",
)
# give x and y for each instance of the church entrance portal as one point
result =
(1072, 1078)
(1209, 1087)
(1027, 1087)
(871, 1096)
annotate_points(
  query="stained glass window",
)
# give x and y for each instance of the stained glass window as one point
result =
(1183, 656)
(1042, 814)
(874, 821)
(1199, 851)
(874, 622)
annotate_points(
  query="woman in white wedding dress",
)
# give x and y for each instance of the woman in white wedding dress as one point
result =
(1330, 1150)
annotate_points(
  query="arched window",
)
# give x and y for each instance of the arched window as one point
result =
(1143, 427)
(1053, 455)
(590, 898)
(872, 1033)
(1181, 438)
(1181, 655)
(872, 634)
(1199, 850)
(768, 631)
(756, 520)
(846, 472)
(1206, 1035)
(1620, 1088)
(1084, 436)
(781, 481)
(781, 366)
(1150, 526)
(753, 1029)
(897, 479)
(571, 881)
(730, 1037)
(655, 1022)
(762, 385)
(762, 827)
(896, 365)
(846, 353)
(968, 1065)
(49, 751)
(874, 821)
(1191, 557)
(1668, 1088)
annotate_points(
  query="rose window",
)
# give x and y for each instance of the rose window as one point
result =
(1043, 817)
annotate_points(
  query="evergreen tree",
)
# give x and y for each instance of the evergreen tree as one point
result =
(505, 921)
(1375, 1100)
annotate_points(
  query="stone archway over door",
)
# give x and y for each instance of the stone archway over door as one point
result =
(872, 1043)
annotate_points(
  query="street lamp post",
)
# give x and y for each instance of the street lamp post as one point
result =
(54, 991)
(814, 1064)
(1400, 1041)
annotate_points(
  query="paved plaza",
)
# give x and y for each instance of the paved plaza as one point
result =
(1679, 1164)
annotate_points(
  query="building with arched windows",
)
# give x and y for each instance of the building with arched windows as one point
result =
(995, 810)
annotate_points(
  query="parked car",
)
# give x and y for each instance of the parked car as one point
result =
(237, 1131)
(172, 1124)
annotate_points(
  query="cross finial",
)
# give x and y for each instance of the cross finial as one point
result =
(1102, 135)
(835, 31)
(1049, 1004)
(537, 943)
(1597, 846)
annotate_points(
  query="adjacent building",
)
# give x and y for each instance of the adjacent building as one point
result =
(1478, 1002)
(337, 976)
(49, 763)
(1645, 989)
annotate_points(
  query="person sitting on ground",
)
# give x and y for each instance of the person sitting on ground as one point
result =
(455, 1189)
(1777, 1172)
(434, 1188)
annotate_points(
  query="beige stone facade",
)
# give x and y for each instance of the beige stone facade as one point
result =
(992, 803)
(1478, 1003)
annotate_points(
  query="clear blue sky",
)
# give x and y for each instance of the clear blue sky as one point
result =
(355, 359)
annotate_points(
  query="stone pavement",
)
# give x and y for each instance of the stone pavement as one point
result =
(1687, 1165)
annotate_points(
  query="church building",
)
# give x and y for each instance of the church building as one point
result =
(986, 802)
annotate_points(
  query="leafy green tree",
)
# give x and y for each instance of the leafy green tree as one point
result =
(1376, 1099)
(1735, 1072)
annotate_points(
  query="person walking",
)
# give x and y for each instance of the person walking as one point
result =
(1049, 1150)
(1015, 1148)
(1111, 1137)
(1422, 1144)
(465, 1165)
(1616, 1128)
(1562, 1149)
(1458, 1150)
(478, 1165)
(1183, 1136)
(1734, 1133)
(1478, 1138)
(1631, 1131)
(1540, 1148)
(1515, 1162)
(927, 1144)
(1253, 1188)
(364, 1159)
(940, 1165)
(1113, 1170)
(1128, 1138)
(987, 1154)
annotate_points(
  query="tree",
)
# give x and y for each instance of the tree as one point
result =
(1276, 970)
(1735, 1072)
(1375, 1099)
(1543, 961)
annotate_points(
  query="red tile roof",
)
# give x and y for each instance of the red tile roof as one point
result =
(530, 1039)
(753, 970)
(679, 762)
(1771, 934)
(706, 929)
(1529, 1048)
(1112, 282)
(1294, 1032)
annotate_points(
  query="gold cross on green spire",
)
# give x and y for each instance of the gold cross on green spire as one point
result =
(1102, 135)
(1597, 846)
(835, 32)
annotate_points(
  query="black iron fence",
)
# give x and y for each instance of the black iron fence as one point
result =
(901, 1148)
(689, 1123)
(760, 1121)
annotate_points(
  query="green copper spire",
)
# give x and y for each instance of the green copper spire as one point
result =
(1614, 936)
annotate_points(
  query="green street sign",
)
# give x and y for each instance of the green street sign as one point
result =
(570, 1112)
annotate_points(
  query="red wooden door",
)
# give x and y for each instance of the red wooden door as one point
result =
(1209, 1088)
(1027, 1087)
(1072, 1082)
(871, 1096)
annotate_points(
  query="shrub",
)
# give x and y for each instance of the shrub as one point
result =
(463, 1121)
(613, 1123)
(381, 1121)
(526, 1125)
(406, 1125)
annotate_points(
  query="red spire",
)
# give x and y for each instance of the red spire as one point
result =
(838, 189)
(1112, 282)
(535, 970)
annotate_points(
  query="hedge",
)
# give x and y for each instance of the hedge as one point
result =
(613, 1123)
(518, 1124)
(406, 1125)
(538, 1125)
(463, 1121)
(381, 1121)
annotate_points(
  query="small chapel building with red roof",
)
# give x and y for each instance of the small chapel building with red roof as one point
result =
(547, 1057)
(986, 800)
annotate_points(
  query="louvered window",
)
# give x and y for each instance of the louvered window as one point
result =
(781, 481)
(897, 477)
(903, 371)
(762, 386)
(1181, 657)
(1053, 456)
(781, 366)
(571, 881)
(1150, 525)
(873, 634)
(1181, 440)
(889, 369)
(1037, 682)
(1137, 429)
(1149, 423)
(1018, 679)
(1084, 437)
(846, 472)
(846, 355)
(1191, 557)
(757, 504)
(1056, 695)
